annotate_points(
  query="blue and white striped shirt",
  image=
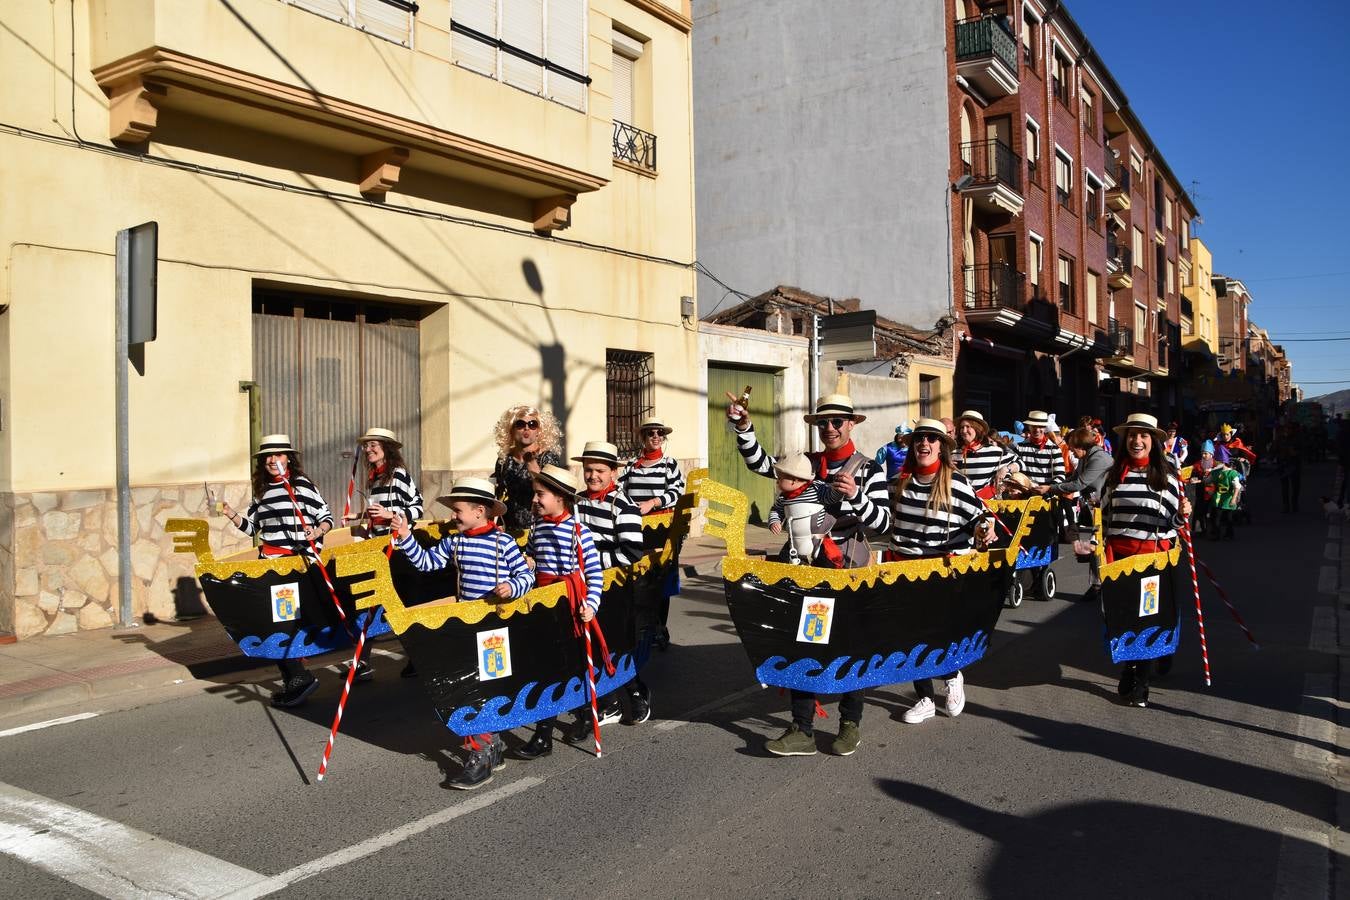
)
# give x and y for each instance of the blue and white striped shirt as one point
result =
(482, 561)
(552, 546)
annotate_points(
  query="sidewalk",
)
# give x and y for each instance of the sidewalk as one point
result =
(47, 672)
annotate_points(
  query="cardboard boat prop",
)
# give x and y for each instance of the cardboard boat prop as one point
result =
(493, 665)
(1033, 525)
(836, 630)
(1139, 605)
(281, 607)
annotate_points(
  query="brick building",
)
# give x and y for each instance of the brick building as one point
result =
(1070, 233)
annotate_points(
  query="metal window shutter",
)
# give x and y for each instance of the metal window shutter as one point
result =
(390, 21)
(623, 89)
(481, 16)
(329, 9)
(566, 30)
(523, 28)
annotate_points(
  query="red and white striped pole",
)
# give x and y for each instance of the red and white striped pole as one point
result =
(1185, 532)
(342, 702)
(590, 678)
(1223, 595)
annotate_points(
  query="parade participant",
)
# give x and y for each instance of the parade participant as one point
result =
(892, 453)
(563, 549)
(389, 486)
(1288, 465)
(1232, 446)
(487, 563)
(862, 505)
(1088, 480)
(285, 526)
(1176, 446)
(616, 524)
(800, 496)
(527, 440)
(1041, 460)
(1140, 514)
(1224, 489)
(653, 481)
(936, 513)
(979, 458)
(1203, 491)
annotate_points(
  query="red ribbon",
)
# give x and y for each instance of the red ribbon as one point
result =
(828, 456)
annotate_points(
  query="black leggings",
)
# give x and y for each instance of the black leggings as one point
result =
(804, 709)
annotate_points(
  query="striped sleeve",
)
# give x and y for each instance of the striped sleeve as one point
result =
(425, 559)
(674, 485)
(400, 493)
(314, 508)
(872, 504)
(628, 544)
(246, 520)
(757, 460)
(776, 511)
(595, 573)
(520, 578)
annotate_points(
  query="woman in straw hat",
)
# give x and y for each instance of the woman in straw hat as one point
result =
(1143, 506)
(285, 526)
(979, 458)
(1041, 458)
(653, 481)
(389, 486)
(936, 513)
(527, 440)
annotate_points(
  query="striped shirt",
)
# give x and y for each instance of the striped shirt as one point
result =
(815, 492)
(273, 519)
(871, 508)
(481, 561)
(662, 479)
(400, 493)
(553, 549)
(1134, 510)
(917, 531)
(1044, 464)
(616, 526)
(983, 464)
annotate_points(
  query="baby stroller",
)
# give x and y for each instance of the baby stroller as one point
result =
(1242, 515)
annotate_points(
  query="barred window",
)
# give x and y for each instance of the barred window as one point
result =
(630, 396)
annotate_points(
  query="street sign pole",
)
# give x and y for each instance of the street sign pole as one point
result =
(122, 364)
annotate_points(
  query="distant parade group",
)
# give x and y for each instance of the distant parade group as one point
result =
(544, 594)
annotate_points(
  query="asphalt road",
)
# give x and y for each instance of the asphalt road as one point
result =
(1045, 786)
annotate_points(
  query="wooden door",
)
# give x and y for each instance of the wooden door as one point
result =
(724, 460)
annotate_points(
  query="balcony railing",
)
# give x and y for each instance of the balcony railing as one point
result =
(1187, 308)
(1162, 349)
(1120, 174)
(1120, 339)
(986, 36)
(991, 161)
(633, 145)
(1121, 254)
(995, 286)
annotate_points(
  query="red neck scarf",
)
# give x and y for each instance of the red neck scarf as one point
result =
(651, 455)
(925, 471)
(481, 529)
(554, 520)
(1133, 465)
(796, 492)
(376, 472)
(1040, 443)
(602, 494)
(971, 447)
(829, 456)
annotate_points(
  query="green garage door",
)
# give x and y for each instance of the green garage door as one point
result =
(724, 462)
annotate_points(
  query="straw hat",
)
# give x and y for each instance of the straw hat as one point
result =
(474, 490)
(384, 435)
(931, 426)
(834, 406)
(654, 422)
(795, 466)
(976, 419)
(560, 479)
(1037, 417)
(276, 443)
(599, 451)
(1142, 421)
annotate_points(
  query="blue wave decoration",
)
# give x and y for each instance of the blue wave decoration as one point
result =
(846, 673)
(280, 645)
(1150, 643)
(503, 713)
(1034, 559)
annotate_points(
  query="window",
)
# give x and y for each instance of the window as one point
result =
(1171, 278)
(1140, 324)
(1030, 25)
(1089, 114)
(535, 45)
(1167, 211)
(1092, 200)
(626, 54)
(388, 19)
(1092, 294)
(1158, 204)
(1061, 72)
(1137, 169)
(630, 396)
(1063, 179)
(928, 393)
(1033, 149)
(1160, 269)
(1138, 248)
(1185, 233)
(1066, 297)
(1035, 260)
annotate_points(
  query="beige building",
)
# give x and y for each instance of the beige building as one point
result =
(370, 213)
(1200, 327)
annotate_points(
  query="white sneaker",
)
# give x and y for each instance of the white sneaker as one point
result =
(956, 695)
(923, 710)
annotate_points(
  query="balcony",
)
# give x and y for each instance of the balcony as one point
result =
(994, 174)
(992, 289)
(986, 56)
(1120, 266)
(1120, 355)
(1118, 195)
(635, 147)
(1160, 360)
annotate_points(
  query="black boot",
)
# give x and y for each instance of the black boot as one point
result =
(541, 744)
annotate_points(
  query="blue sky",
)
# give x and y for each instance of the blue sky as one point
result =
(1242, 101)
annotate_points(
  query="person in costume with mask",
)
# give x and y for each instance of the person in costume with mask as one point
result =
(861, 505)
(1176, 446)
(1042, 461)
(978, 457)
(527, 440)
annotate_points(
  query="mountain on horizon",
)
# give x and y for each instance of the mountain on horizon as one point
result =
(1337, 401)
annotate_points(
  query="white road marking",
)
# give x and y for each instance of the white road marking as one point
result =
(37, 726)
(1323, 638)
(109, 859)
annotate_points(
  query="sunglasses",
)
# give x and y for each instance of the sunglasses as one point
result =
(836, 424)
(651, 432)
(927, 438)
(532, 424)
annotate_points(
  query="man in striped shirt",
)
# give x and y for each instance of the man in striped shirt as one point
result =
(862, 505)
(1042, 460)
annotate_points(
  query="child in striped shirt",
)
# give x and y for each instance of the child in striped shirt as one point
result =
(802, 495)
(487, 564)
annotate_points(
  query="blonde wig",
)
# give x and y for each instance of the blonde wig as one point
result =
(550, 435)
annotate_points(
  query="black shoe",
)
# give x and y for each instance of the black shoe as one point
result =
(364, 671)
(409, 671)
(580, 731)
(1127, 679)
(662, 639)
(476, 773)
(541, 744)
(296, 691)
(498, 752)
(639, 706)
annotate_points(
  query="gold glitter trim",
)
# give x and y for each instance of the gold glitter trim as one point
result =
(191, 537)
(1139, 563)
